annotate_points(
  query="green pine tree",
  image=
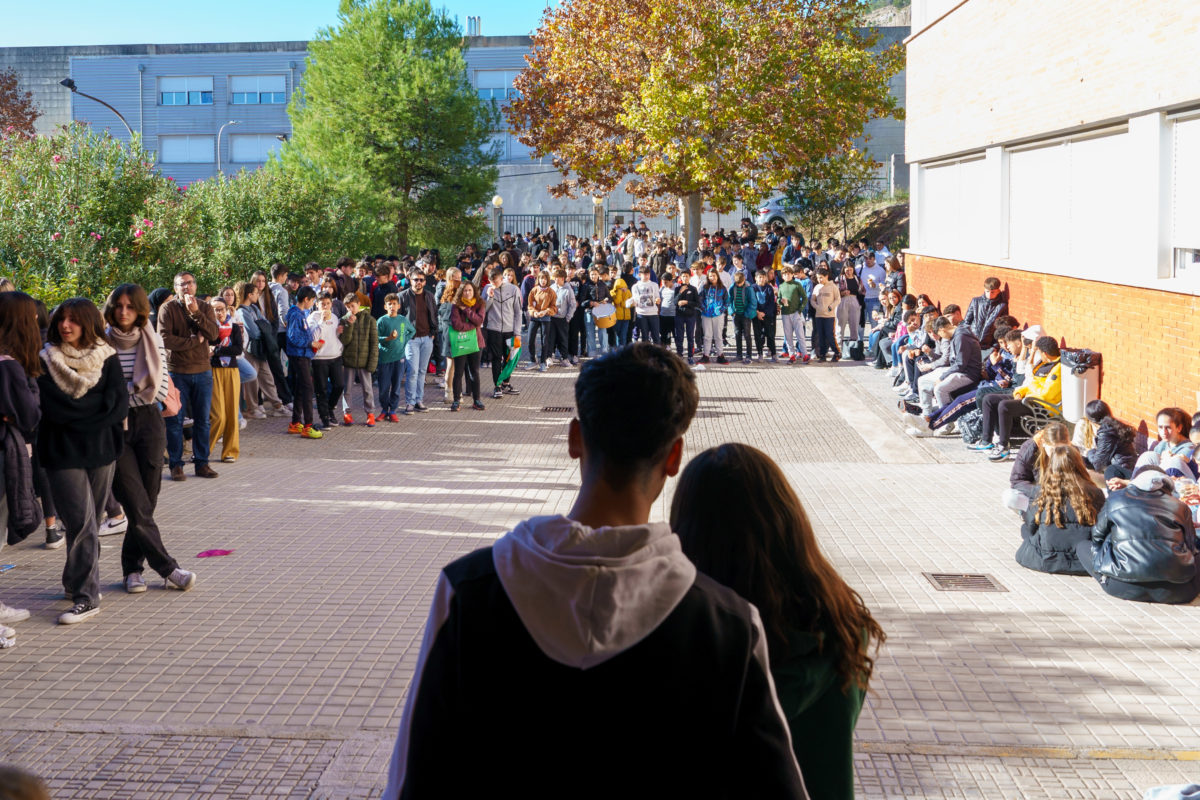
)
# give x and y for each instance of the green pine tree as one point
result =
(387, 110)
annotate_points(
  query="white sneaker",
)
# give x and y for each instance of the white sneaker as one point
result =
(257, 413)
(947, 430)
(242, 424)
(7, 633)
(134, 583)
(180, 579)
(111, 526)
(9, 615)
(919, 433)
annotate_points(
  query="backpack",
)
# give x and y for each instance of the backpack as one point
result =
(971, 426)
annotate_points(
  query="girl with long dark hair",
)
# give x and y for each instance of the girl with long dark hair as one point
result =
(84, 405)
(818, 629)
(1061, 513)
(20, 341)
(138, 476)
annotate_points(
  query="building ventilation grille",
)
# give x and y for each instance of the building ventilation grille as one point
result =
(963, 582)
(558, 409)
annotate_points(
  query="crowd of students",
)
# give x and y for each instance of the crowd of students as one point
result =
(1091, 503)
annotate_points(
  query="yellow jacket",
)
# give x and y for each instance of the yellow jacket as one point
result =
(621, 293)
(1045, 384)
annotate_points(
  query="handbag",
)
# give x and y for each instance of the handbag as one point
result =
(266, 341)
(463, 343)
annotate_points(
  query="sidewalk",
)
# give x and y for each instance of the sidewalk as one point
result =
(284, 672)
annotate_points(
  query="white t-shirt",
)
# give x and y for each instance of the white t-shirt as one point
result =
(644, 295)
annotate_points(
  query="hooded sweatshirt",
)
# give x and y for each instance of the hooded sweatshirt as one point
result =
(566, 660)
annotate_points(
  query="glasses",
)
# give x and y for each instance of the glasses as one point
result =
(417, 280)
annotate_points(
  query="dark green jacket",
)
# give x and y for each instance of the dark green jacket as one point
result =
(360, 343)
(820, 715)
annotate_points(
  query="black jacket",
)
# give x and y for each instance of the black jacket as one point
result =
(407, 298)
(981, 318)
(19, 403)
(687, 292)
(1145, 536)
(84, 433)
(1114, 445)
(1024, 475)
(1045, 547)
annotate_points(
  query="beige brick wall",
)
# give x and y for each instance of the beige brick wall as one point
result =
(994, 71)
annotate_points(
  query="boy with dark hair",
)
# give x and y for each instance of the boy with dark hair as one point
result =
(300, 352)
(590, 637)
(394, 330)
(360, 358)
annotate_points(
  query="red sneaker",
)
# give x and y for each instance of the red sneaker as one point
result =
(347, 419)
(370, 420)
(393, 418)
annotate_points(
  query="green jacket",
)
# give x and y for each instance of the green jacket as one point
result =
(820, 716)
(742, 300)
(792, 297)
(391, 350)
(360, 342)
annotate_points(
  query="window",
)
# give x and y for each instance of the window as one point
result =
(185, 91)
(186, 149)
(257, 89)
(954, 213)
(495, 84)
(252, 148)
(1039, 184)
(1185, 196)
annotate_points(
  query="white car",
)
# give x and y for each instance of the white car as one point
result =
(770, 212)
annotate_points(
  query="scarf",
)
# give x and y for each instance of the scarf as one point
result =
(468, 303)
(225, 333)
(147, 364)
(76, 371)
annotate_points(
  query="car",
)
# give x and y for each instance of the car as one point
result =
(770, 212)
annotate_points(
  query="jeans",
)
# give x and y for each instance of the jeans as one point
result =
(595, 345)
(872, 304)
(80, 495)
(539, 329)
(391, 373)
(560, 328)
(328, 384)
(300, 371)
(793, 335)
(936, 387)
(497, 349)
(743, 329)
(577, 338)
(195, 392)
(416, 356)
(648, 326)
(466, 367)
(685, 326)
(666, 327)
(621, 330)
(764, 334)
(1000, 414)
(823, 338)
(136, 485)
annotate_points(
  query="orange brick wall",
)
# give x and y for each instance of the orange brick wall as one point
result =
(1150, 339)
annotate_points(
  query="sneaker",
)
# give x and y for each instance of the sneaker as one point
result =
(310, 432)
(347, 419)
(440, 383)
(722, 360)
(791, 359)
(281, 411)
(134, 583)
(574, 361)
(980, 447)
(111, 526)
(807, 359)
(180, 579)
(947, 430)
(392, 418)
(407, 410)
(836, 358)
(420, 407)
(478, 406)
(7, 632)
(9, 615)
(370, 420)
(296, 427)
(760, 358)
(541, 367)
(257, 413)
(56, 536)
(7, 643)
(510, 389)
(79, 612)
(497, 394)
(242, 423)
(528, 367)
(454, 406)
(999, 454)
(919, 433)
(691, 361)
(774, 360)
(704, 359)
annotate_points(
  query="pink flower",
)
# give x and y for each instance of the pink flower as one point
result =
(74, 260)
(113, 250)
(148, 223)
(170, 178)
(97, 236)
(54, 237)
(56, 159)
(137, 234)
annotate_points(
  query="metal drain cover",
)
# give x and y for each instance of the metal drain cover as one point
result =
(963, 582)
(558, 409)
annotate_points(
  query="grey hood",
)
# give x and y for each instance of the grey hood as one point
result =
(585, 595)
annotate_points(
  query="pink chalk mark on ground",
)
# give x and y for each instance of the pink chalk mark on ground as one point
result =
(211, 553)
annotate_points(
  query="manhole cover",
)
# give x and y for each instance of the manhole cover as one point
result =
(557, 409)
(963, 582)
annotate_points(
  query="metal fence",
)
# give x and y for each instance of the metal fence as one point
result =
(566, 224)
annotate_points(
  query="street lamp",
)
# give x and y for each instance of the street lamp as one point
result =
(219, 132)
(598, 216)
(70, 84)
(497, 203)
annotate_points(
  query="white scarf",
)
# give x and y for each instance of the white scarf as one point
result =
(76, 371)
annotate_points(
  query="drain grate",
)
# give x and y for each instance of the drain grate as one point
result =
(558, 409)
(963, 582)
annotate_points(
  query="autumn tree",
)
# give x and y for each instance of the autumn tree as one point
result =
(831, 191)
(386, 111)
(700, 102)
(18, 112)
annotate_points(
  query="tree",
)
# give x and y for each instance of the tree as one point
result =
(387, 112)
(18, 112)
(831, 190)
(707, 101)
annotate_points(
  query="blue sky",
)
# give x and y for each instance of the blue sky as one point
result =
(40, 23)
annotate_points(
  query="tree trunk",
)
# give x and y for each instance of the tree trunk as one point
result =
(691, 206)
(401, 235)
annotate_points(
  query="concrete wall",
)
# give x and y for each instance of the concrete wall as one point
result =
(1001, 71)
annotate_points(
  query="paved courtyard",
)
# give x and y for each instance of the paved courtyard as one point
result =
(284, 673)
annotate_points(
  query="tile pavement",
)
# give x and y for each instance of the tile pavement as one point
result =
(284, 672)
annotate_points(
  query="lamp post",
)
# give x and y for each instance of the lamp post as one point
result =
(70, 84)
(497, 203)
(598, 216)
(219, 132)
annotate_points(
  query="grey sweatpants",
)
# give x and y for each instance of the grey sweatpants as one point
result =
(368, 392)
(712, 327)
(79, 495)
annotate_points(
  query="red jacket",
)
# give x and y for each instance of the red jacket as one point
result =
(463, 318)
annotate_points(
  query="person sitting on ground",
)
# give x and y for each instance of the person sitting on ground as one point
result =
(924, 347)
(1143, 546)
(1023, 479)
(818, 629)
(1001, 413)
(1112, 452)
(962, 373)
(1061, 514)
(1173, 452)
(600, 610)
